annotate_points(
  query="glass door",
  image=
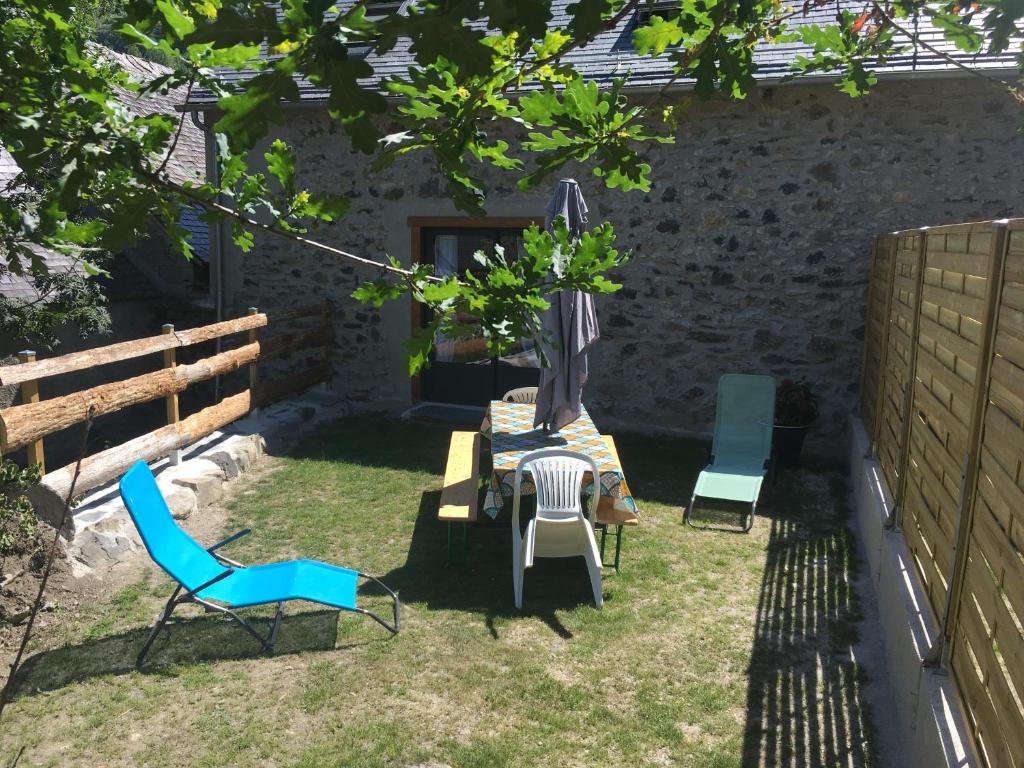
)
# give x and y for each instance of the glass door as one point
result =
(461, 371)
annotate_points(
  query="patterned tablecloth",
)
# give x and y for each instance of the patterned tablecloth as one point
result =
(510, 428)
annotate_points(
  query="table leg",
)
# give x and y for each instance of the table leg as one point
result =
(463, 555)
(618, 546)
(448, 559)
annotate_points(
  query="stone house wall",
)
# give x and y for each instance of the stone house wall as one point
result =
(751, 250)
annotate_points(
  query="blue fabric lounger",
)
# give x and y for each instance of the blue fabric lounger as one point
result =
(221, 584)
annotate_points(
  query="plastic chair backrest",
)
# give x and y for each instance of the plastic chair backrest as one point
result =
(521, 395)
(170, 547)
(744, 418)
(558, 476)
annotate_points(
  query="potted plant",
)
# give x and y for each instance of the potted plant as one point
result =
(795, 411)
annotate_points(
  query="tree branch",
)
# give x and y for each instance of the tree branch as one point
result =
(8, 689)
(917, 40)
(253, 224)
(181, 124)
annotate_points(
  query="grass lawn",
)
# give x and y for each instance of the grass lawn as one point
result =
(714, 648)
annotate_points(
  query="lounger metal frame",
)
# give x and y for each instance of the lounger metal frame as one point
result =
(268, 641)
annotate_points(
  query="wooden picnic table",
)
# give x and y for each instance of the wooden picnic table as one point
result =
(510, 429)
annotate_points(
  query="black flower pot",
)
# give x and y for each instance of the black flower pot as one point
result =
(787, 442)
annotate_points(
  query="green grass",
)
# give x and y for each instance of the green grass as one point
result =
(714, 648)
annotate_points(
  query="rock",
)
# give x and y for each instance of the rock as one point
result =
(825, 172)
(226, 461)
(180, 500)
(104, 544)
(206, 488)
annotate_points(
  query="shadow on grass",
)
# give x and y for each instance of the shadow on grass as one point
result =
(193, 639)
(483, 583)
(804, 702)
(370, 440)
(662, 469)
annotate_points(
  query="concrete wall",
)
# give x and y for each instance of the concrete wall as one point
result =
(751, 250)
(930, 723)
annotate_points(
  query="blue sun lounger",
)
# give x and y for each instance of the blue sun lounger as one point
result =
(742, 447)
(222, 585)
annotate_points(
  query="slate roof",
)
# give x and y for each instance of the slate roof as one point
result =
(187, 163)
(23, 288)
(9, 170)
(199, 231)
(610, 55)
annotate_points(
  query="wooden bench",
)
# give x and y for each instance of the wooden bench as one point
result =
(460, 496)
(607, 514)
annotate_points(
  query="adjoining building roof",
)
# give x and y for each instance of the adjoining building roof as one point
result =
(23, 287)
(187, 163)
(9, 170)
(199, 232)
(610, 55)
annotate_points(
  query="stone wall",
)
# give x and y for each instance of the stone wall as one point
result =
(750, 252)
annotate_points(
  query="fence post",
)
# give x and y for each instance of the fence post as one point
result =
(173, 414)
(884, 356)
(896, 516)
(965, 513)
(30, 394)
(253, 373)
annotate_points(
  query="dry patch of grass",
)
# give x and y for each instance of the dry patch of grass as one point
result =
(713, 649)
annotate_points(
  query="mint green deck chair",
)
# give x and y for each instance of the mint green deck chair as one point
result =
(742, 448)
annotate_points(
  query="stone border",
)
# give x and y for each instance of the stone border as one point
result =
(930, 723)
(104, 534)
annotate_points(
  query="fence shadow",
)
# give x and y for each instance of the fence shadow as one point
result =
(804, 702)
(192, 640)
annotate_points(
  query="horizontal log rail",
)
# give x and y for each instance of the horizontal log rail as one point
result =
(26, 425)
(125, 350)
(23, 424)
(106, 465)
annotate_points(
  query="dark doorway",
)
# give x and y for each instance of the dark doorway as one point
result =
(461, 370)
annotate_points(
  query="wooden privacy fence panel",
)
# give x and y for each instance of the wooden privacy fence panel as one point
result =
(987, 642)
(875, 326)
(944, 402)
(26, 424)
(957, 261)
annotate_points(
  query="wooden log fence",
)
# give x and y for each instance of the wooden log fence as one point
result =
(942, 396)
(26, 425)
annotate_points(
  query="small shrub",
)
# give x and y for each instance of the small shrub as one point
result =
(19, 526)
(795, 404)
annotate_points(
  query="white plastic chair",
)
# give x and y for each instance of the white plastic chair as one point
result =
(521, 395)
(560, 527)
